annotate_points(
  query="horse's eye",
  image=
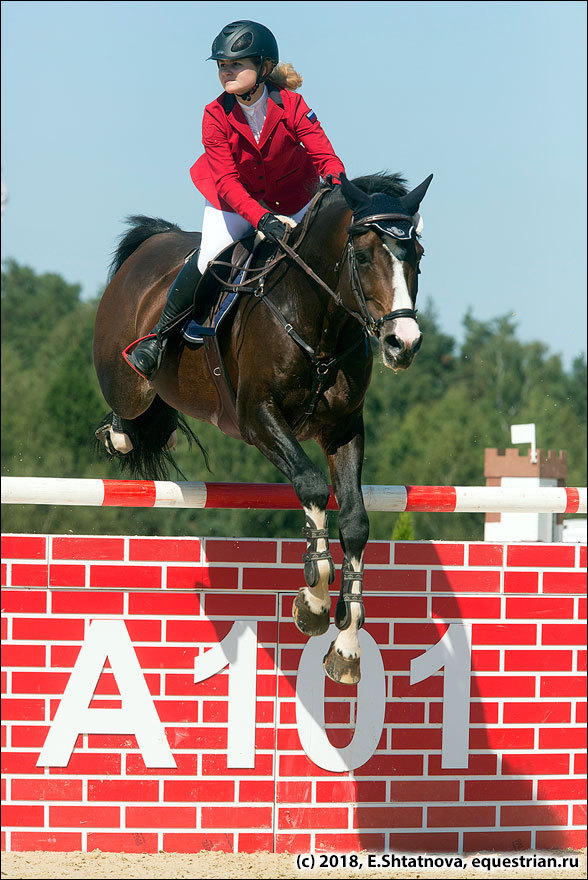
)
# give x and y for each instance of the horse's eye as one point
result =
(362, 258)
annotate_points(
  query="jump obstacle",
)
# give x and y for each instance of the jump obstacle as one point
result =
(157, 695)
(275, 496)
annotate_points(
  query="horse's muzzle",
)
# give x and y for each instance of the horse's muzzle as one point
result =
(396, 353)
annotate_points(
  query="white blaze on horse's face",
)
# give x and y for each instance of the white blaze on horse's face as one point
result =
(399, 340)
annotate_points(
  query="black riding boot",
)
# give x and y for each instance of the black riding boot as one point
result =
(146, 356)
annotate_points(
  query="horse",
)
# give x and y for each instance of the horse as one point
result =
(298, 358)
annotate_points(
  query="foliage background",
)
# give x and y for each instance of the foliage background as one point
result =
(427, 426)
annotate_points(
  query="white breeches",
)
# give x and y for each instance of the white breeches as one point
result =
(220, 228)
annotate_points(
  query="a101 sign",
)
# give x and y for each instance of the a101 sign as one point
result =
(109, 639)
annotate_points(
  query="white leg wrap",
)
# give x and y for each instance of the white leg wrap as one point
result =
(121, 442)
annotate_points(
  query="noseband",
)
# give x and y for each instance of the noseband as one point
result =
(371, 324)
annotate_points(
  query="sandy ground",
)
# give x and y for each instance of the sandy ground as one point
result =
(172, 865)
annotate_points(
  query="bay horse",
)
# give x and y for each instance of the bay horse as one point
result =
(298, 358)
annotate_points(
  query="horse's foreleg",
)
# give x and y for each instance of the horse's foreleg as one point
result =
(267, 430)
(312, 604)
(342, 660)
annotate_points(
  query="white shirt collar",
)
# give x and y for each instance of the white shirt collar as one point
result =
(256, 113)
(258, 105)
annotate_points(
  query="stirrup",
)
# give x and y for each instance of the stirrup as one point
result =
(129, 351)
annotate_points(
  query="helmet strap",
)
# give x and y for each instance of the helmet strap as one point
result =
(260, 80)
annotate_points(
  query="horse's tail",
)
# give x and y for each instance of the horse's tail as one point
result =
(150, 433)
(142, 228)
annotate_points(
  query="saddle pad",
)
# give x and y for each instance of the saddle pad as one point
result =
(195, 333)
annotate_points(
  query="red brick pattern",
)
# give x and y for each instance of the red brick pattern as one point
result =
(524, 786)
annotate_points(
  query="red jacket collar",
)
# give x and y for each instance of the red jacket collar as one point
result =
(236, 117)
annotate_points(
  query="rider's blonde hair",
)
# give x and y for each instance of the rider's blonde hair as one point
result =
(284, 76)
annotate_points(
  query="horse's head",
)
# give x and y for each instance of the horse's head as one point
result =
(383, 255)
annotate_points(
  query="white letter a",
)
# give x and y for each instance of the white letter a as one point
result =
(107, 639)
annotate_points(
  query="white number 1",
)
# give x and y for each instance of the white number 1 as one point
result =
(238, 649)
(454, 652)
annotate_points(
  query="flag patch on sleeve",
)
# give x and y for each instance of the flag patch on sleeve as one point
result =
(311, 115)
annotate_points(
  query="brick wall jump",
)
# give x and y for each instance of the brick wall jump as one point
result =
(523, 786)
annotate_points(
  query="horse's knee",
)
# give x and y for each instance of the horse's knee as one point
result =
(312, 489)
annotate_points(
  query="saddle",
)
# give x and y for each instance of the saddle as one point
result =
(223, 282)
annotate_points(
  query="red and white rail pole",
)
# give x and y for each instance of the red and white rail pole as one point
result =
(281, 496)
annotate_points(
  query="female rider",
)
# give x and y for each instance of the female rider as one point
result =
(264, 153)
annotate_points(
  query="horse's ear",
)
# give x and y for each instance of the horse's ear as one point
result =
(411, 201)
(353, 195)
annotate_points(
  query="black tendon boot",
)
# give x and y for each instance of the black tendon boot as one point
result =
(146, 356)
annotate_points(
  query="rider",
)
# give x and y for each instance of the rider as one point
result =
(264, 152)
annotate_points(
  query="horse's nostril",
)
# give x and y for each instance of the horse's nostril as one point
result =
(394, 342)
(417, 344)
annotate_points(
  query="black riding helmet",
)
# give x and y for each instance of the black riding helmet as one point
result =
(246, 39)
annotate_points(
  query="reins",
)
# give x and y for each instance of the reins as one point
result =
(246, 285)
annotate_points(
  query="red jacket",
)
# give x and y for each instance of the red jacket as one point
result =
(236, 173)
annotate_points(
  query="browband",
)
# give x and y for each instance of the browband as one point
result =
(373, 218)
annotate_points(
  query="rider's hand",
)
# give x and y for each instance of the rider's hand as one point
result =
(272, 227)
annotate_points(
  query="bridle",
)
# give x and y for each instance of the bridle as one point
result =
(371, 324)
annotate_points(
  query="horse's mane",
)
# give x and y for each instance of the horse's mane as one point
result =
(382, 182)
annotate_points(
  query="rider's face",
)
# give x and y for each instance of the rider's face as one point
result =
(237, 76)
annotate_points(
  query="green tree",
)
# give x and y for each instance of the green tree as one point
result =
(403, 527)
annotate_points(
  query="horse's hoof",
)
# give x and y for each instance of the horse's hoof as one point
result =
(308, 623)
(341, 669)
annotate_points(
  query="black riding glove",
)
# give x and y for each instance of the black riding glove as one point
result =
(333, 180)
(272, 228)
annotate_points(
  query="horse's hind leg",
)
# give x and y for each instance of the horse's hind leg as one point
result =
(113, 435)
(150, 437)
(342, 661)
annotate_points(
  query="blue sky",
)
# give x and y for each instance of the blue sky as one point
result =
(101, 117)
